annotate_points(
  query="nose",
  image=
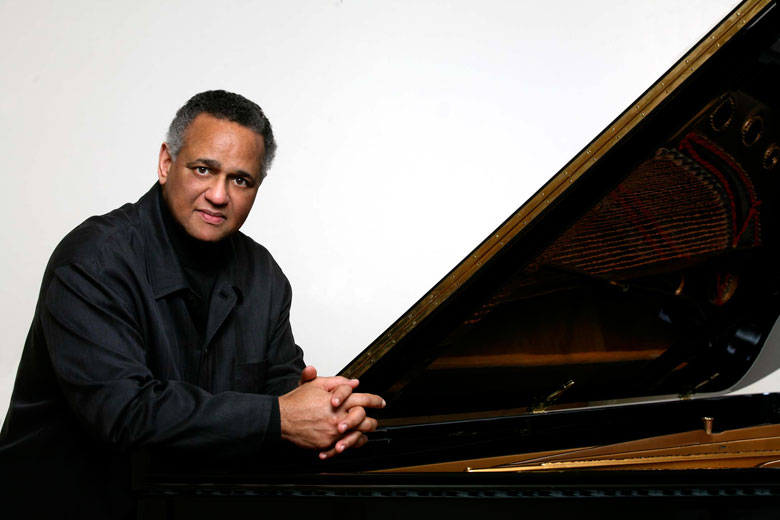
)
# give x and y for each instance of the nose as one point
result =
(217, 193)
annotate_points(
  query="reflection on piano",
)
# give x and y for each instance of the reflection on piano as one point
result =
(600, 332)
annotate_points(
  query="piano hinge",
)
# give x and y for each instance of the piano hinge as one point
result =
(541, 406)
(689, 390)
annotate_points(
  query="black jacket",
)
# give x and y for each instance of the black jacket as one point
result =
(113, 362)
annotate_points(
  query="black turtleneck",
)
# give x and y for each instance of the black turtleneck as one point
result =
(201, 262)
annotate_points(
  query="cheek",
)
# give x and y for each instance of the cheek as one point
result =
(188, 189)
(243, 204)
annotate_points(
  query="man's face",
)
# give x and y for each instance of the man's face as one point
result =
(212, 184)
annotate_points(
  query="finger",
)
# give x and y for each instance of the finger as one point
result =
(361, 441)
(330, 383)
(308, 374)
(354, 417)
(364, 400)
(351, 439)
(340, 394)
(368, 424)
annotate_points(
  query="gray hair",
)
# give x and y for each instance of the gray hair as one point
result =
(223, 105)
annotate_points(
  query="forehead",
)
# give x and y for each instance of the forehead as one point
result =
(233, 145)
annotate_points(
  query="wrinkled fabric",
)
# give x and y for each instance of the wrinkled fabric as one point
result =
(114, 362)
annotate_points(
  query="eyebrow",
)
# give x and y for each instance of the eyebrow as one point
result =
(212, 163)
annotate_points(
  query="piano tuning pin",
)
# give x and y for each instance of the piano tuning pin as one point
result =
(707, 424)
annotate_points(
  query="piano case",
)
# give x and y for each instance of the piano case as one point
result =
(588, 356)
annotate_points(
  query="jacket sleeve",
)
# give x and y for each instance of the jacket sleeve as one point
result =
(285, 358)
(98, 354)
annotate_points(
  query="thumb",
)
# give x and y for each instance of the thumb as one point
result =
(308, 374)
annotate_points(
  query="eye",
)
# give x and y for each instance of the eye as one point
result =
(241, 181)
(202, 170)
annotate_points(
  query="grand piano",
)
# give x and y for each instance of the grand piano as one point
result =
(590, 356)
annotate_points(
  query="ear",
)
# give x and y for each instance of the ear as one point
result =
(164, 163)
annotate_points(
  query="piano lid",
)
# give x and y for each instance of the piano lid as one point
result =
(644, 268)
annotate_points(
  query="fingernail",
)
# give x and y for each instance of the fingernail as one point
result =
(336, 401)
(383, 403)
(323, 456)
(339, 448)
(342, 427)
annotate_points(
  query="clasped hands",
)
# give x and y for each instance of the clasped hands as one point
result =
(324, 413)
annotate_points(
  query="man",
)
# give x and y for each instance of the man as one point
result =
(160, 325)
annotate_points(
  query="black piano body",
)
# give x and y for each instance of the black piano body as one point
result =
(588, 356)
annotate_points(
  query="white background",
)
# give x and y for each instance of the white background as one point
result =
(407, 130)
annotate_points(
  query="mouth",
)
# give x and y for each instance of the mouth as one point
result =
(211, 217)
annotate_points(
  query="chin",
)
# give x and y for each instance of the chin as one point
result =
(210, 237)
(206, 235)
